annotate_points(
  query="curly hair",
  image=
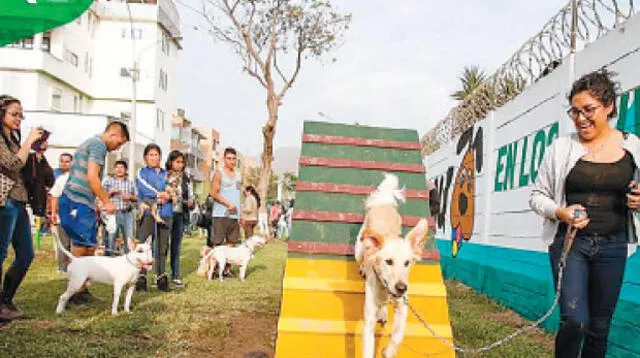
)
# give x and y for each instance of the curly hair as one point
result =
(600, 85)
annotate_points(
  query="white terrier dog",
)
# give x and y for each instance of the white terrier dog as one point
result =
(117, 271)
(238, 256)
(385, 259)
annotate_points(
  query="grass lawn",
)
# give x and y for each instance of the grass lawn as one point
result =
(206, 319)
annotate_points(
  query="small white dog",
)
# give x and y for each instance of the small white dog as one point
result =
(385, 259)
(118, 271)
(238, 256)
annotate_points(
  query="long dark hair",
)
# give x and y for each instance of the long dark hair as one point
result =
(175, 154)
(5, 101)
(253, 192)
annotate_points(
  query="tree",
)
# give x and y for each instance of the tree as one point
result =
(289, 184)
(472, 77)
(270, 36)
(252, 178)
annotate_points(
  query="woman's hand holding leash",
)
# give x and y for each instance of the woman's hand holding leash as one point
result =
(574, 215)
(633, 196)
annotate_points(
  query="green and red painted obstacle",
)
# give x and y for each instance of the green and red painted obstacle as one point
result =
(20, 19)
(322, 299)
(339, 166)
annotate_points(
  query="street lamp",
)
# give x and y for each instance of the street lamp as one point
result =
(134, 74)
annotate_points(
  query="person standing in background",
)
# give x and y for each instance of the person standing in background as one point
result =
(123, 194)
(64, 164)
(38, 179)
(250, 210)
(175, 164)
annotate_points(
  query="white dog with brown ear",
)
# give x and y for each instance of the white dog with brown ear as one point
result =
(385, 259)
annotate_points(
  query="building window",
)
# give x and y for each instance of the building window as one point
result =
(163, 80)
(76, 103)
(46, 42)
(166, 44)
(128, 32)
(56, 98)
(23, 44)
(71, 57)
(160, 119)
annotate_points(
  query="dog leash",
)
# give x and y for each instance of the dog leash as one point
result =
(568, 243)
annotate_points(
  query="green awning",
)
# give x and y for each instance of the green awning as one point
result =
(20, 19)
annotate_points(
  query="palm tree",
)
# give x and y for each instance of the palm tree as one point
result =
(472, 77)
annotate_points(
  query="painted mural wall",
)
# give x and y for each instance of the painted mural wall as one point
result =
(488, 236)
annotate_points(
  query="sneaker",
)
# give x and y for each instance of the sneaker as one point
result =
(227, 274)
(141, 284)
(7, 314)
(177, 282)
(163, 283)
(17, 312)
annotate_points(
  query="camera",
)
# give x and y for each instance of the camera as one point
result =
(36, 146)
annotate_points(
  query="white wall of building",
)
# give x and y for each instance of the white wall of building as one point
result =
(82, 71)
(513, 137)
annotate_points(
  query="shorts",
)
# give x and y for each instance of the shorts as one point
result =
(225, 231)
(78, 221)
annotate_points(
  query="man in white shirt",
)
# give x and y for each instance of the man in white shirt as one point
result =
(55, 192)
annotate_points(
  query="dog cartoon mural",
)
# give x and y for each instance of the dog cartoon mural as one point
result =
(462, 211)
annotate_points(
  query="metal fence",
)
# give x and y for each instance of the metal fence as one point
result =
(577, 24)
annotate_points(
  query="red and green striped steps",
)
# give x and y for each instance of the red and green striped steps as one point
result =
(341, 164)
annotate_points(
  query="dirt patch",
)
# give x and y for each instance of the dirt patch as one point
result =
(247, 336)
(251, 337)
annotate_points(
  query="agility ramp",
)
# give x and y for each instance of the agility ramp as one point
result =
(323, 293)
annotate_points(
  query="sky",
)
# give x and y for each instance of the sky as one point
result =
(397, 67)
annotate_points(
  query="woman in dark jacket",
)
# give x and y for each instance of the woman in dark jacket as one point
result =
(14, 220)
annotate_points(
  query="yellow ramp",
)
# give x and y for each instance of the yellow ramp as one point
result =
(322, 308)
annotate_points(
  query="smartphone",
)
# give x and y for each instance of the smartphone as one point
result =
(37, 144)
(577, 213)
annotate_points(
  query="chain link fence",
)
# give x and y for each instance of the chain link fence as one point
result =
(537, 57)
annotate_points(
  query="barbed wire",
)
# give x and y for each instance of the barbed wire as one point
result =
(536, 58)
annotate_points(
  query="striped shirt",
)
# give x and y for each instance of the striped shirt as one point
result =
(77, 188)
(124, 186)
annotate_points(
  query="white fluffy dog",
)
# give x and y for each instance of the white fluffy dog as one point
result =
(385, 259)
(118, 271)
(238, 256)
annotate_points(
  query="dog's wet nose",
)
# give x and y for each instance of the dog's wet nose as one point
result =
(401, 287)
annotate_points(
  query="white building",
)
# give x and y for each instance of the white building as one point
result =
(77, 77)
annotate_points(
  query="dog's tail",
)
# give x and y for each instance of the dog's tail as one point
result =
(387, 193)
(60, 246)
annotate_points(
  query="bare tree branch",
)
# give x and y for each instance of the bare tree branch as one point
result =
(246, 36)
(275, 65)
(289, 83)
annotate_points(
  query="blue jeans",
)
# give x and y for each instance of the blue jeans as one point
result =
(177, 231)
(590, 288)
(15, 228)
(124, 226)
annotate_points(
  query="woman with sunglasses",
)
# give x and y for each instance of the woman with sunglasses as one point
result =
(587, 182)
(15, 228)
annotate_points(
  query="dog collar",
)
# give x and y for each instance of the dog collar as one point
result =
(139, 267)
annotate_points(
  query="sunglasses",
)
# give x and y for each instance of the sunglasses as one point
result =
(20, 115)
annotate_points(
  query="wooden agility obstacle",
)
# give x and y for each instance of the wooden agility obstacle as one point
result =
(323, 293)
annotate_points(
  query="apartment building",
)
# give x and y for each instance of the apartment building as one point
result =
(186, 138)
(76, 78)
(210, 146)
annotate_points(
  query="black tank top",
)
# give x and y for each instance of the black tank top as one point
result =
(601, 188)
